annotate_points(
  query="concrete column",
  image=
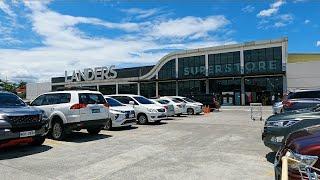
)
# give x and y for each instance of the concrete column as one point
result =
(138, 86)
(177, 67)
(243, 92)
(207, 86)
(177, 88)
(284, 85)
(157, 89)
(207, 64)
(241, 61)
(117, 88)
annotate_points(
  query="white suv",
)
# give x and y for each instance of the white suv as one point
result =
(73, 110)
(146, 110)
(121, 114)
(192, 106)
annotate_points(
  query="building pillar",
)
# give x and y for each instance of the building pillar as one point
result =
(207, 64)
(117, 88)
(207, 86)
(285, 85)
(241, 61)
(98, 87)
(243, 92)
(177, 67)
(157, 89)
(138, 85)
(177, 88)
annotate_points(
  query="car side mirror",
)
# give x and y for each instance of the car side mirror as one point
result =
(131, 102)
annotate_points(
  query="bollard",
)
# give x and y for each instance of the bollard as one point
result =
(284, 173)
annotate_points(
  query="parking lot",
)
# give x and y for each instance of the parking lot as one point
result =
(219, 145)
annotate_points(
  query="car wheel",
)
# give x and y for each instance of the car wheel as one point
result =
(190, 111)
(38, 141)
(94, 130)
(157, 122)
(108, 125)
(143, 119)
(178, 115)
(57, 132)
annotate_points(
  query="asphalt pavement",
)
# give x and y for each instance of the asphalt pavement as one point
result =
(219, 145)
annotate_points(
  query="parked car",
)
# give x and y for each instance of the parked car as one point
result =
(277, 108)
(192, 106)
(166, 104)
(146, 110)
(179, 107)
(301, 99)
(20, 123)
(73, 110)
(278, 127)
(206, 99)
(121, 115)
(304, 146)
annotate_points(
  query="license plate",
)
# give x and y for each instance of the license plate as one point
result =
(95, 110)
(27, 133)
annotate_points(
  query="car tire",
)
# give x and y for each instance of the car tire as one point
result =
(190, 111)
(108, 125)
(94, 131)
(142, 119)
(57, 130)
(178, 115)
(38, 141)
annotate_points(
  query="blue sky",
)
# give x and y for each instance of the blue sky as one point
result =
(41, 39)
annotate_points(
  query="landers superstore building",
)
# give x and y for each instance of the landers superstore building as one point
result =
(237, 74)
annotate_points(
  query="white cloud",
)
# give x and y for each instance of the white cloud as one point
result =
(192, 27)
(248, 9)
(65, 47)
(6, 9)
(283, 20)
(307, 21)
(318, 44)
(141, 13)
(274, 8)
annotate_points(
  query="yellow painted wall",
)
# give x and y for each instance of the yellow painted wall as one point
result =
(294, 58)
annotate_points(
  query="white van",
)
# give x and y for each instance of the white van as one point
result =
(146, 110)
(121, 114)
(192, 106)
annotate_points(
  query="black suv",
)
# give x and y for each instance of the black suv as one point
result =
(19, 123)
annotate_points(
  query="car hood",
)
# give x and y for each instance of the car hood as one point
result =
(287, 116)
(22, 110)
(152, 106)
(122, 108)
(305, 142)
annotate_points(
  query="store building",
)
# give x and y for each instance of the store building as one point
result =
(238, 74)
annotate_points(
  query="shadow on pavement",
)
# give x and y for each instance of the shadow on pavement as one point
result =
(158, 124)
(126, 128)
(270, 157)
(21, 151)
(81, 137)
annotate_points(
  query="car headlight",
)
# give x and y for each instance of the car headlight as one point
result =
(152, 110)
(284, 123)
(305, 160)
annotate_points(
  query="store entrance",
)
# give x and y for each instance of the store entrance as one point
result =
(228, 91)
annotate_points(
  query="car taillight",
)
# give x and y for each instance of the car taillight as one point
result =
(78, 106)
(287, 103)
(106, 105)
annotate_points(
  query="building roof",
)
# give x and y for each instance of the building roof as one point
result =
(303, 57)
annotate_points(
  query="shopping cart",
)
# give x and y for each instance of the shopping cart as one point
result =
(256, 111)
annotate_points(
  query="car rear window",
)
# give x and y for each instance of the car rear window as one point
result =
(90, 98)
(304, 94)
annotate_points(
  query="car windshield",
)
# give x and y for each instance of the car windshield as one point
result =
(189, 100)
(10, 100)
(143, 100)
(176, 101)
(163, 101)
(113, 103)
